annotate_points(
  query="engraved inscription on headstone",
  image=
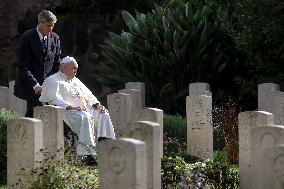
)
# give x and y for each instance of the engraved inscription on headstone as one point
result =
(53, 133)
(116, 104)
(122, 164)
(24, 141)
(119, 107)
(278, 167)
(267, 140)
(116, 160)
(199, 126)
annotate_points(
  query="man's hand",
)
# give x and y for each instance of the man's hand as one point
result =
(100, 108)
(38, 91)
(78, 108)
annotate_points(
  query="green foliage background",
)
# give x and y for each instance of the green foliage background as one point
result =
(167, 49)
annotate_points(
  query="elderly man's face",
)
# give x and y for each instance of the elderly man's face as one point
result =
(45, 27)
(70, 70)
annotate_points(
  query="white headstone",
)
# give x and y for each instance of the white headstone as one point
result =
(199, 89)
(14, 103)
(119, 107)
(24, 142)
(4, 96)
(273, 173)
(136, 98)
(154, 115)
(199, 126)
(149, 132)
(122, 164)
(278, 107)
(138, 86)
(136, 107)
(262, 138)
(247, 121)
(53, 131)
(265, 91)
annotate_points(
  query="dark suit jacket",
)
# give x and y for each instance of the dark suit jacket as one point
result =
(33, 64)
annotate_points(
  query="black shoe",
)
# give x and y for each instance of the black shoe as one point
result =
(89, 160)
(101, 138)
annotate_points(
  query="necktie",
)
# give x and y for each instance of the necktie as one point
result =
(43, 42)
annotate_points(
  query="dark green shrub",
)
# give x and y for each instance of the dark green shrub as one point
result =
(174, 143)
(167, 49)
(5, 116)
(175, 126)
(220, 156)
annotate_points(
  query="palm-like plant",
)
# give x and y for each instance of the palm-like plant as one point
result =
(167, 49)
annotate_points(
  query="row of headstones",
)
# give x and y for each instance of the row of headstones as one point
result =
(261, 141)
(137, 160)
(128, 104)
(261, 151)
(261, 144)
(29, 131)
(258, 137)
(125, 106)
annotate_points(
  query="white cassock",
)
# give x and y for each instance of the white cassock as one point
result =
(60, 91)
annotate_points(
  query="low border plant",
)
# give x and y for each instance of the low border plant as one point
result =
(177, 174)
(5, 116)
(67, 173)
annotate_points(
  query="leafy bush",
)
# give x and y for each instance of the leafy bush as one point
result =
(174, 143)
(167, 49)
(62, 174)
(221, 175)
(220, 156)
(176, 174)
(175, 126)
(172, 171)
(5, 116)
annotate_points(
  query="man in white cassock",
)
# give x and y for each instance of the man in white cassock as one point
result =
(83, 112)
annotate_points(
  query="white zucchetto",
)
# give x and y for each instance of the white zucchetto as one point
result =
(67, 59)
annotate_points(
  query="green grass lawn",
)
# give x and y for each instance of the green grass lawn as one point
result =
(3, 187)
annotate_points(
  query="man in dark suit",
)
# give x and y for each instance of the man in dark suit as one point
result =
(38, 56)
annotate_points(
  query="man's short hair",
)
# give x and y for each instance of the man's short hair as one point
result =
(46, 16)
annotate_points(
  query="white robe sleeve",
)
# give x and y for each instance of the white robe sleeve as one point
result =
(50, 90)
(60, 102)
